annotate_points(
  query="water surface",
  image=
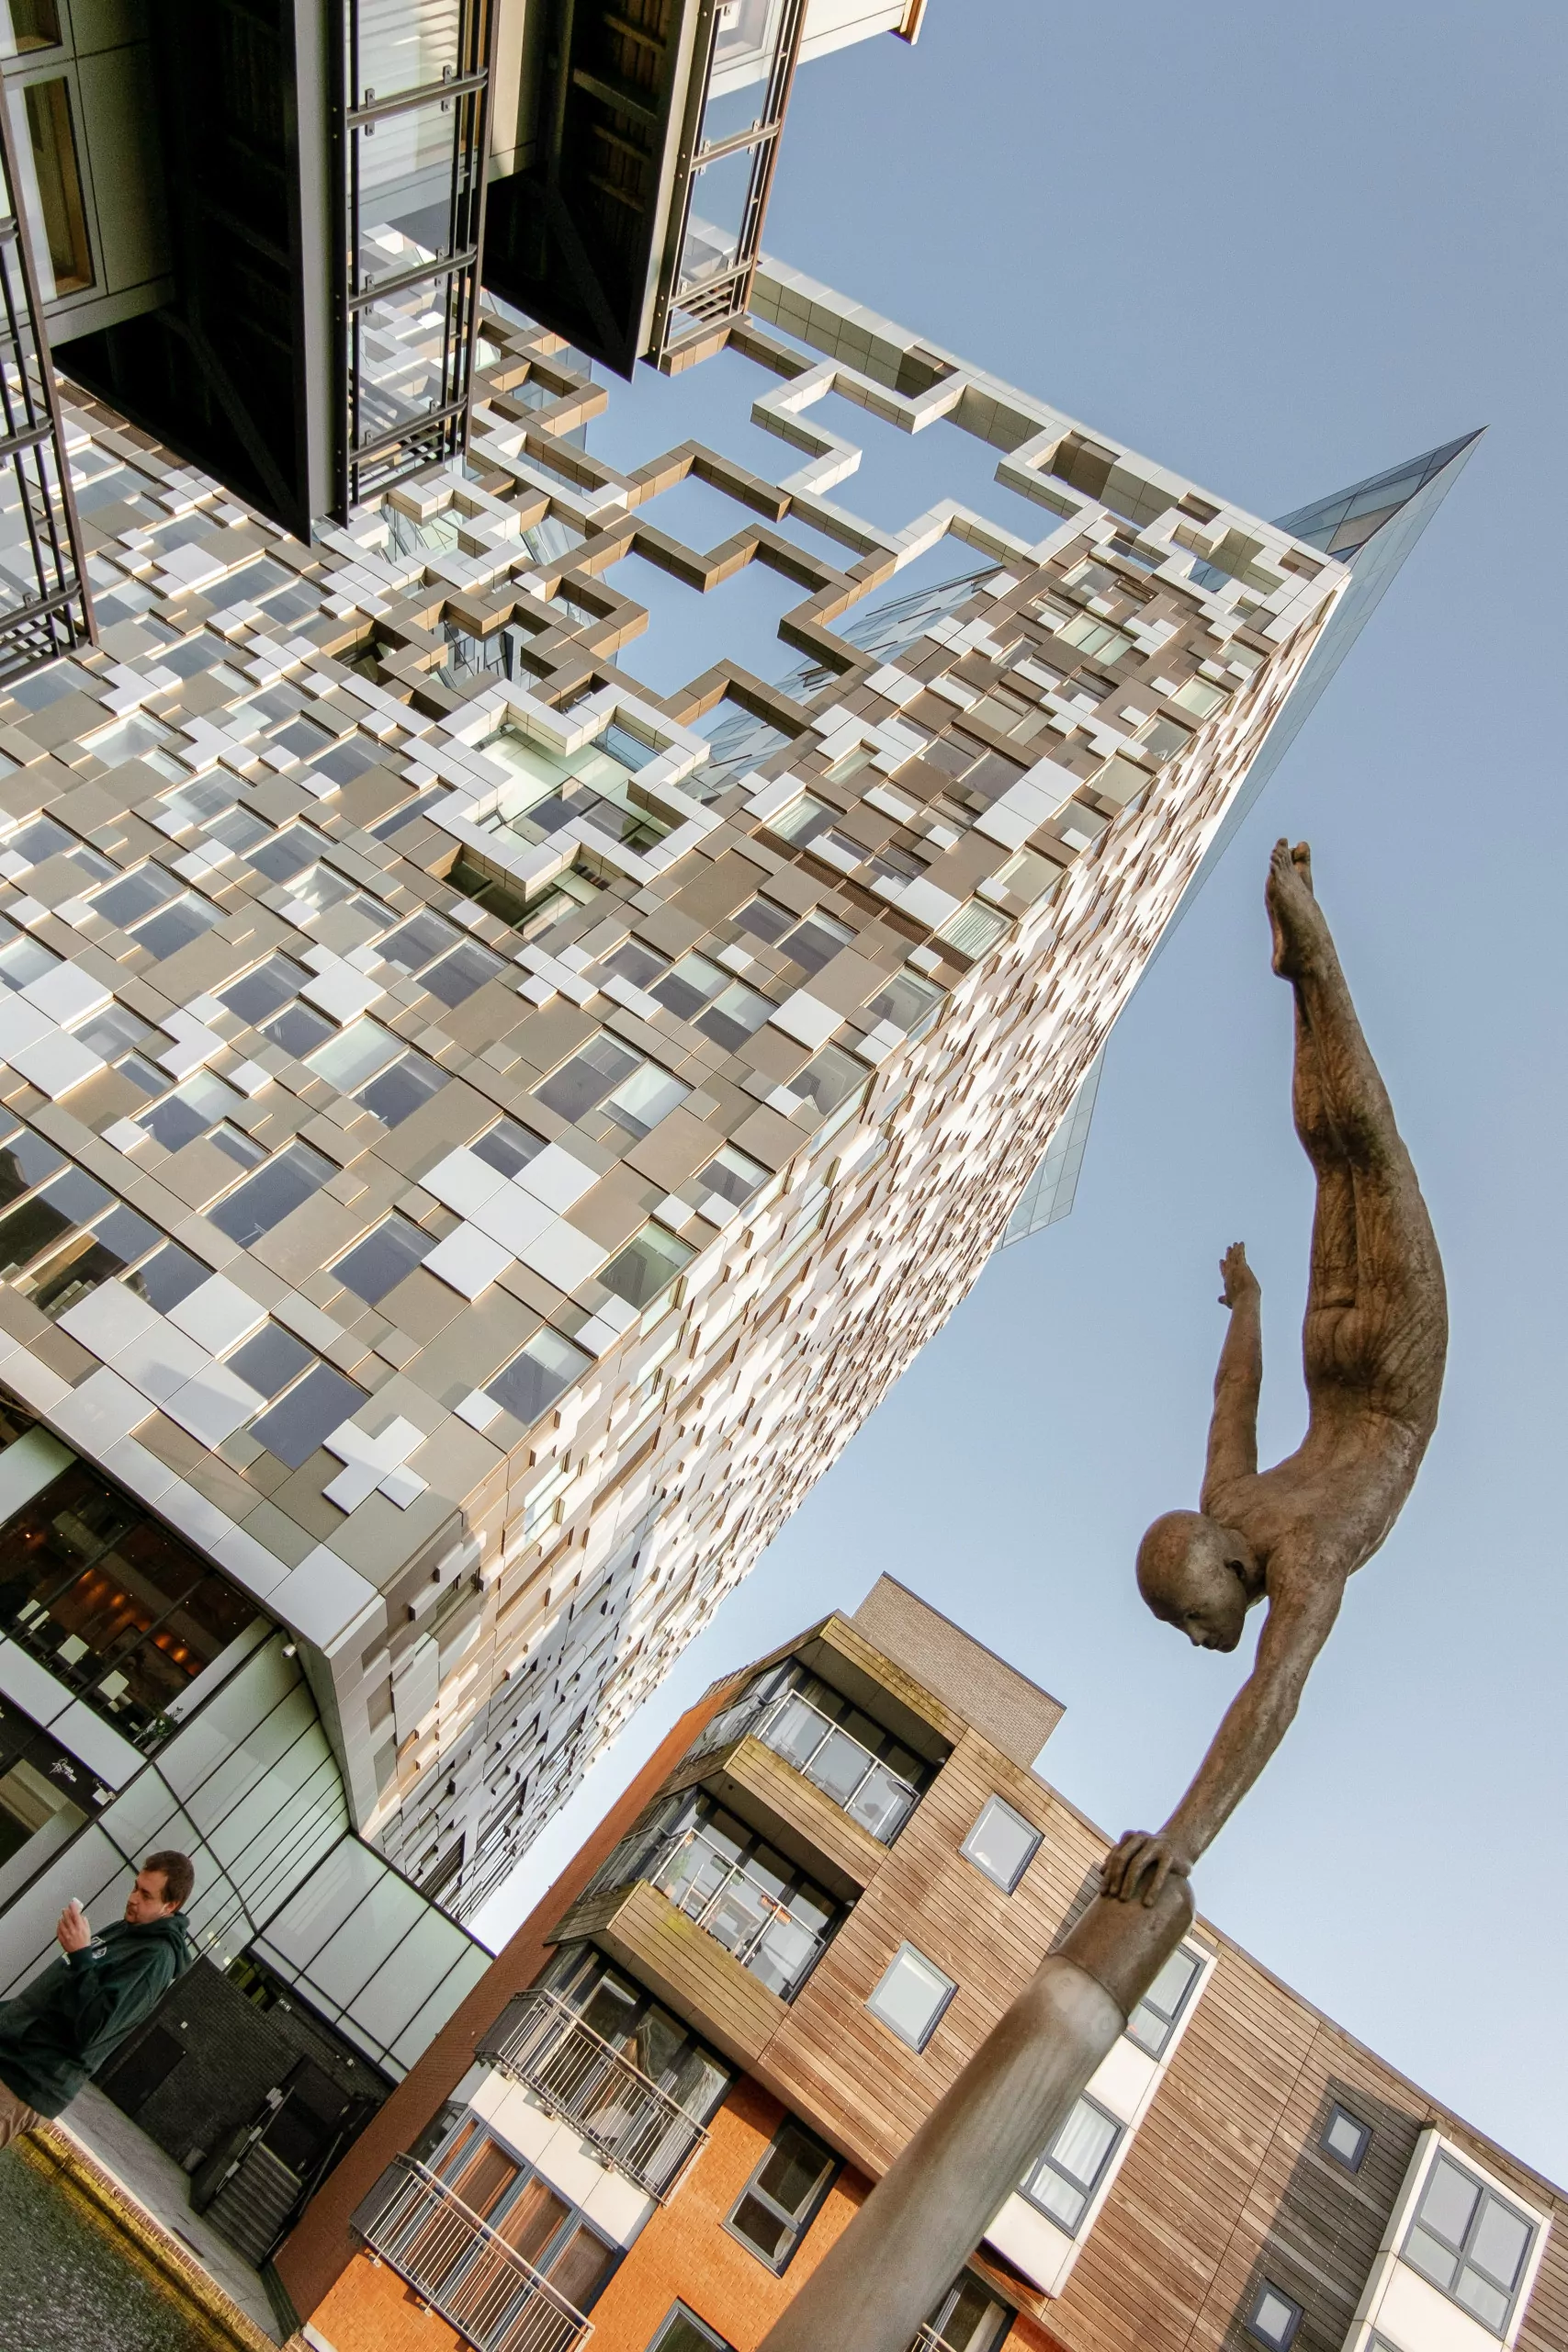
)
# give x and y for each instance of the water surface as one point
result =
(69, 2284)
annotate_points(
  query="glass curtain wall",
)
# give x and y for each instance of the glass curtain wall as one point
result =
(414, 107)
(45, 608)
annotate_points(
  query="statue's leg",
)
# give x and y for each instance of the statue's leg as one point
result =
(1376, 1277)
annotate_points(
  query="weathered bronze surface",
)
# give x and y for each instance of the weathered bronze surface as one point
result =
(1373, 1343)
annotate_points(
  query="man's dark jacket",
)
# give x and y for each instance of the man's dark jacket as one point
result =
(72, 2018)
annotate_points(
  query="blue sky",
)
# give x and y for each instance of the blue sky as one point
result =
(1277, 249)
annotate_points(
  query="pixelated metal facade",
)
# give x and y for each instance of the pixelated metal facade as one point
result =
(482, 1133)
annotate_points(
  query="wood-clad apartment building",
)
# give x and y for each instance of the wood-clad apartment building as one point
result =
(666, 2099)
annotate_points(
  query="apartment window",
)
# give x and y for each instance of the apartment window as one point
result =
(555, 2238)
(734, 1178)
(968, 2318)
(265, 1199)
(1470, 2242)
(1157, 2016)
(635, 2026)
(685, 2332)
(646, 1266)
(1345, 2138)
(306, 1414)
(67, 255)
(633, 1093)
(376, 1265)
(113, 1604)
(536, 1376)
(911, 1997)
(269, 1360)
(781, 2198)
(1272, 2318)
(1066, 2175)
(28, 24)
(1001, 1843)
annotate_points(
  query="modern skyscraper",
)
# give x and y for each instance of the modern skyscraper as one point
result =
(666, 2100)
(488, 1127)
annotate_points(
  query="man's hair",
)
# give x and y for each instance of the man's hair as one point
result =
(179, 1876)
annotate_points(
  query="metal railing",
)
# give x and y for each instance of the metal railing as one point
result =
(738, 1910)
(540, 2040)
(45, 602)
(465, 2270)
(832, 1758)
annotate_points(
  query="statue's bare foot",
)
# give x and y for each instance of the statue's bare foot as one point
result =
(1300, 931)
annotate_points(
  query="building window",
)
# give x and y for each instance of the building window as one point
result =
(1001, 1843)
(911, 1997)
(1066, 2175)
(968, 2318)
(635, 2025)
(28, 24)
(112, 1604)
(1469, 2243)
(67, 256)
(1157, 2016)
(1345, 2138)
(1272, 2318)
(685, 2332)
(521, 2209)
(783, 2196)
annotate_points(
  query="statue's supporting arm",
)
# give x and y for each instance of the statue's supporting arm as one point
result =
(1233, 1431)
(1301, 1617)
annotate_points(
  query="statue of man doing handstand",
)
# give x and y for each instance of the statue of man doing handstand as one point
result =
(1372, 1348)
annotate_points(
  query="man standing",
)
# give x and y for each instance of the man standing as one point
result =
(72, 2018)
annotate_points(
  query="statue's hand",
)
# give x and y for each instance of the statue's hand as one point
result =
(1237, 1276)
(1143, 1860)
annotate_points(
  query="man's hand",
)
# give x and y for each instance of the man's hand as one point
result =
(72, 1932)
(1237, 1276)
(1145, 1859)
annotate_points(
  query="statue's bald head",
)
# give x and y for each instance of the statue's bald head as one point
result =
(1200, 1576)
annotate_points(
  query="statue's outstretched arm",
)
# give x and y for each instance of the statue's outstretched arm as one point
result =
(1299, 1621)
(1233, 1431)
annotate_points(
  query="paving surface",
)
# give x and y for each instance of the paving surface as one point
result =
(156, 2183)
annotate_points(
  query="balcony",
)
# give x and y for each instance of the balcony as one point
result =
(540, 2041)
(736, 1907)
(795, 1724)
(465, 2271)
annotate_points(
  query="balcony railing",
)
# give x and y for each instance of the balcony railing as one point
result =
(832, 1758)
(465, 2271)
(540, 2040)
(738, 1910)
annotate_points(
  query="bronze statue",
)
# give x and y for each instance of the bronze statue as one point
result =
(1373, 1345)
(1373, 1348)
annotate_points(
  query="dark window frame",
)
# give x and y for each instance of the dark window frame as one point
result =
(1252, 2324)
(936, 2016)
(798, 2224)
(1172, 2019)
(1339, 2113)
(1088, 2189)
(683, 2312)
(1464, 2258)
(1009, 1885)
